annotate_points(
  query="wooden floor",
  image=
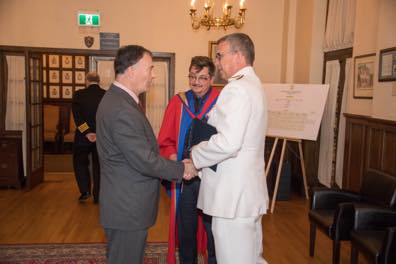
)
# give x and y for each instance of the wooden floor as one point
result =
(50, 213)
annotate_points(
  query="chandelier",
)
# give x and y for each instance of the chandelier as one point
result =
(208, 20)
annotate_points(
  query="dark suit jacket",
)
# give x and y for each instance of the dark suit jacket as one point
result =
(131, 167)
(84, 106)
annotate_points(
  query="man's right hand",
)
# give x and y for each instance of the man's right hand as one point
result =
(189, 170)
(173, 157)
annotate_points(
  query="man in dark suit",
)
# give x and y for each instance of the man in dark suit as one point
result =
(131, 167)
(84, 106)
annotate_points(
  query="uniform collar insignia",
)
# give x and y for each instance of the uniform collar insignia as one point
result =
(236, 77)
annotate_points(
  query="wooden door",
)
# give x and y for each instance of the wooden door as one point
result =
(34, 118)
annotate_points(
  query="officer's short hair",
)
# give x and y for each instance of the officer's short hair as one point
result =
(93, 77)
(128, 56)
(242, 43)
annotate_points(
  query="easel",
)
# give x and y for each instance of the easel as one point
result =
(285, 140)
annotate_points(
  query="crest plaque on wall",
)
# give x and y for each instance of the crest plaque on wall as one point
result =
(89, 41)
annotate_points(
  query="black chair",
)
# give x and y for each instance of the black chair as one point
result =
(374, 235)
(332, 211)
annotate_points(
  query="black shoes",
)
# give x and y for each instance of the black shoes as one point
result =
(84, 196)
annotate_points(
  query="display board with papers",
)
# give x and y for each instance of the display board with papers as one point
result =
(295, 110)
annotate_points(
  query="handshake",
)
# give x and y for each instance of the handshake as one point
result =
(189, 170)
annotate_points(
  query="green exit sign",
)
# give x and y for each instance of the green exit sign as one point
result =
(88, 20)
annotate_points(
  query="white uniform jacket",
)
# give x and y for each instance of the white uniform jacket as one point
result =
(238, 188)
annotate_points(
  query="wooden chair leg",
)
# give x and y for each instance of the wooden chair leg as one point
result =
(312, 237)
(354, 255)
(336, 251)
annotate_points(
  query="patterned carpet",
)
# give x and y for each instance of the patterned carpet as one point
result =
(87, 253)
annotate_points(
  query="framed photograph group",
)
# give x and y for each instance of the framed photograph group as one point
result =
(364, 76)
(218, 81)
(387, 65)
(63, 74)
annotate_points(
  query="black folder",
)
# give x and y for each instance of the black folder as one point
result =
(202, 131)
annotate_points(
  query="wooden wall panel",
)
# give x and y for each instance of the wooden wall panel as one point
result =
(374, 147)
(389, 152)
(369, 143)
(354, 155)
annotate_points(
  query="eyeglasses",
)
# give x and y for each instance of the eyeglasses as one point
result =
(219, 55)
(201, 78)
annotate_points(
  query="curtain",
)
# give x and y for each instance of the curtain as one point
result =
(15, 118)
(325, 168)
(157, 96)
(341, 129)
(340, 25)
(105, 69)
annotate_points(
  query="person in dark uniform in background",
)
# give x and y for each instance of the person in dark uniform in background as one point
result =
(84, 106)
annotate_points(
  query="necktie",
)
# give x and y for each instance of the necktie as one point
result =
(197, 105)
(141, 107)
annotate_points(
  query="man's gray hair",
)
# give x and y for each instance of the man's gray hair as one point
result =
(242, 43)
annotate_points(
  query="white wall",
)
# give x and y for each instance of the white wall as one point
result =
(374, 30)
(159, 25)
(287, 34)
(384, 102)
(316, 56)
(366, 24)
(309, 35)
(302, 52)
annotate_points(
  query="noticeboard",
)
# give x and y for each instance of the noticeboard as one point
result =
(295, 110)
(109, 40)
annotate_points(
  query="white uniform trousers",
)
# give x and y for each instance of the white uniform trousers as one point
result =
(238, 240)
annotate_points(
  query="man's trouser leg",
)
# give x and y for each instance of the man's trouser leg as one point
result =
(125, 246)
(81, 167)
(207, 221)
(187, 221)
(238, 240)
(95, 173)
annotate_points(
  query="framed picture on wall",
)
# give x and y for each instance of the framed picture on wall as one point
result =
(79, 62)
(218, 81)
(387, 65)
(364, 76)
(54, 61)
(54, 91)
(67, 76)
(80, 77)
(67, 61)
(67, 92)
(53, 76)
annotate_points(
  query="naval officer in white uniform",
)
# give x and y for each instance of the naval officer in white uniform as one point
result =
(236, 193)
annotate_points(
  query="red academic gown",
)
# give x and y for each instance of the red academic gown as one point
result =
(177, 119)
